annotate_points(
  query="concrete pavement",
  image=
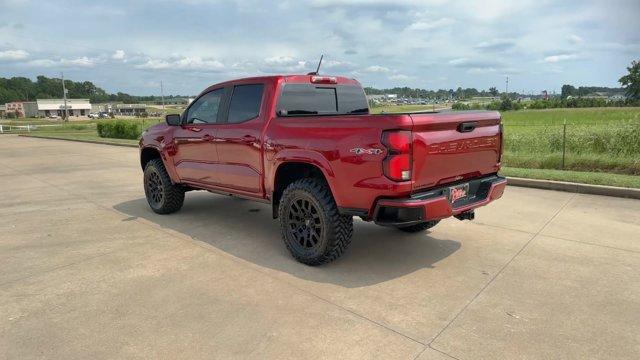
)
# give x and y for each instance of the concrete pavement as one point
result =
(87, 270)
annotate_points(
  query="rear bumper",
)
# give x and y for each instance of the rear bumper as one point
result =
(434, 204)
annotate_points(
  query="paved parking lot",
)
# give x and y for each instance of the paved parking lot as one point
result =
(88, 271)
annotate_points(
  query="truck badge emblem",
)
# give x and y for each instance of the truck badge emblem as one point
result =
(360, 151)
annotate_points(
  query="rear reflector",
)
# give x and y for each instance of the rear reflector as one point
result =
(324, 80)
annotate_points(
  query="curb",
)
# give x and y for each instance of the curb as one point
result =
(513, 181)
(575, 187)
(79, 140)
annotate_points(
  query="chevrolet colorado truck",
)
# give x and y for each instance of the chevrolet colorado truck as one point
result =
(308, 146)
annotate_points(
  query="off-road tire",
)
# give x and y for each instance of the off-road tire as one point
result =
(418, 227)
(163, 196)
(300, 226)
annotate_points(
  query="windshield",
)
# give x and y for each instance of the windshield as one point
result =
(311, 99)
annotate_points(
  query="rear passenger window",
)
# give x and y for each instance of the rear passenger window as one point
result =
(245, 103)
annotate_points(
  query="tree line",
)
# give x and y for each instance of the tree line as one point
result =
(416, 93)
(470, 93)
(24, 89)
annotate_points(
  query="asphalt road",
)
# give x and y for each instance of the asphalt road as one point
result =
(88, 271)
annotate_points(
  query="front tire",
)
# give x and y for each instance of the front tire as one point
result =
(419, 227)
(312, 228)
(163, 196)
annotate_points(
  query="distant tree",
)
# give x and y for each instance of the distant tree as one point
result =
(631, 81)
(493, 91)
(568, 90)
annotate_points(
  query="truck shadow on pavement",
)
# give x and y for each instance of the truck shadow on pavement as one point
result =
(246, 230)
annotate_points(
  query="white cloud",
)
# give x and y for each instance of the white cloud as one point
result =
(472, 63)
(284, 64)
(431, 24)
(81, 61)
(41, 63)
(560, 57)
(481, 71)
(197, 63)
(154, 64)
(13, 55)
(496, 45)
(183, 63)
(118, 55)
(84, 62)
(377, 69)
(399, 77)
(337, 65)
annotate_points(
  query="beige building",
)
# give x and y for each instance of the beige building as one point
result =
(55, 107)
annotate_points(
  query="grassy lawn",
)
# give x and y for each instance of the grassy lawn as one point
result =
(584, 116)
(596, 139)
(594, 178)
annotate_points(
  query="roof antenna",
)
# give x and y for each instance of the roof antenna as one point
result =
(318, 68)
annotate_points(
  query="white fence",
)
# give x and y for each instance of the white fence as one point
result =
(8, 129)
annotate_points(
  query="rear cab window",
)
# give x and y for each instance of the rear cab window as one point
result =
(245, 103)
(321, 99)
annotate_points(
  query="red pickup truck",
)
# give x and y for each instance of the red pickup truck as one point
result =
(307, 145)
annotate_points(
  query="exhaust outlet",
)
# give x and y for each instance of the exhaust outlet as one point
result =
(467, 215)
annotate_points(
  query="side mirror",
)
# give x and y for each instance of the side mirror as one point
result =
(172, 119)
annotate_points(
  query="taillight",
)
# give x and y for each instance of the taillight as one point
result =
(397, 165)
(324, 80)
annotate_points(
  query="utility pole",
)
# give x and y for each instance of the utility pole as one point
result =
(162, 96)
(64, 96)
(506, 87)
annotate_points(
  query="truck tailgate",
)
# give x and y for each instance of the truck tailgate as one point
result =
(452, 147)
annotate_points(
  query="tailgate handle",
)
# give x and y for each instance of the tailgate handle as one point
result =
(467, 126)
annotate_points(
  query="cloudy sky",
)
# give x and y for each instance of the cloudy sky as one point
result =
(131, 45)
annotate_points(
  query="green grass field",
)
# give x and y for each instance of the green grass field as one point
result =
(597, 140)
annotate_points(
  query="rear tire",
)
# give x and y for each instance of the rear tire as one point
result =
(312, 228)
(418, 227)
(163, 196)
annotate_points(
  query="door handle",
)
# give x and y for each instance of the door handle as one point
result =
(249, 139)
(467, 126)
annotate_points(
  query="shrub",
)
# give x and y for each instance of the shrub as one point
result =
(119, 129)
(460, 106)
